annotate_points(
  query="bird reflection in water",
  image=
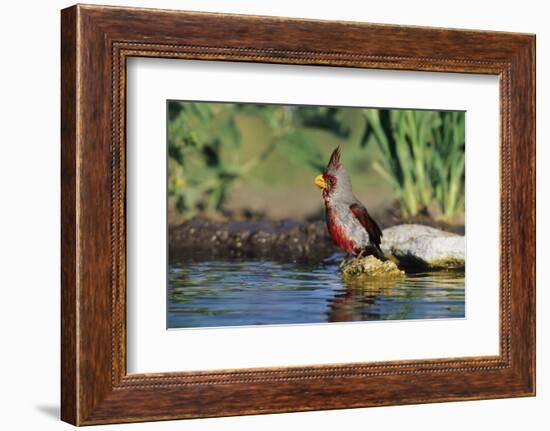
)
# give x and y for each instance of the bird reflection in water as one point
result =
(229, 293)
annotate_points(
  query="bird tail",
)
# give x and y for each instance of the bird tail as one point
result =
(380, 253)
(373, 250)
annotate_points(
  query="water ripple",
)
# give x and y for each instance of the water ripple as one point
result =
(221, 293)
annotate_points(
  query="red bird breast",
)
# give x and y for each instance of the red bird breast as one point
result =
(338, 232)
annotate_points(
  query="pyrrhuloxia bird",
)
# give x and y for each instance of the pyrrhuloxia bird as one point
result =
(350, 225)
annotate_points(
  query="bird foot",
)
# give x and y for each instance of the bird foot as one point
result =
(346, 260)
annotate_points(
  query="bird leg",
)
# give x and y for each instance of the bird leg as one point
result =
(346, 259)
(360, 255)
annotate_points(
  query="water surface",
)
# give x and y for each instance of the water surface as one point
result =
(234, 293)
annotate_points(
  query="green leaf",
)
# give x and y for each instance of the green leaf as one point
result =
(300, 149)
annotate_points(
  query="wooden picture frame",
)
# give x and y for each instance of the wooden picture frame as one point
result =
(95, 43)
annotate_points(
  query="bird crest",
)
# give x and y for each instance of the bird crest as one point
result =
(334, 162)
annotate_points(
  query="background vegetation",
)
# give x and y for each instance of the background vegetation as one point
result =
(220, 151)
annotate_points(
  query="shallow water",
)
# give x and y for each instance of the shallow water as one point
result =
(230, 293)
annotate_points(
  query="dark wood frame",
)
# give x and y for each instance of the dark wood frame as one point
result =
(95, 42)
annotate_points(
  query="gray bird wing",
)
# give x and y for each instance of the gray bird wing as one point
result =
(372, 228)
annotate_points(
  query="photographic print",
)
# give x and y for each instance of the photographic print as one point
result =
(263, 212)
(297, 214)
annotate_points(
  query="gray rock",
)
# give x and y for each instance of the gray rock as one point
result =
(424, 247)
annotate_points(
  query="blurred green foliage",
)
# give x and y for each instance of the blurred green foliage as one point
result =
(201, 170)
(419, 153)
(422, 158)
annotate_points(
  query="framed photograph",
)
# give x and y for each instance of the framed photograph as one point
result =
(264, 215)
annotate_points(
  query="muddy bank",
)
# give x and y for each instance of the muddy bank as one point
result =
(290, 240)
(410, 245)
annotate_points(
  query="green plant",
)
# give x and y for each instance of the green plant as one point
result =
(199, 177)
(422, 156)
(421, 152)
(289, 126)
(447, 167)
(203, 139)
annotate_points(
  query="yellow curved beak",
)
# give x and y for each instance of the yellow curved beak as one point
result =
(320, 182)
